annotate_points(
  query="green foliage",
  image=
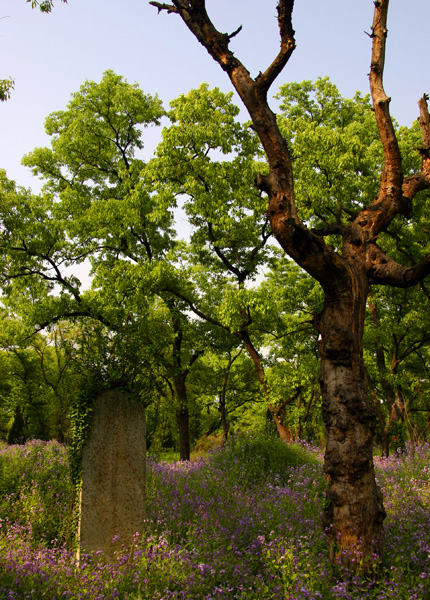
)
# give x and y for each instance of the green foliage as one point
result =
(226, 381)
(6, 86)
(39, 380)
(35, 489)
(397, 339)
(208, 159)
(94, 207)
(102, 203)
(336, 148)
(258, 458)
(45, 6)
(92, 167)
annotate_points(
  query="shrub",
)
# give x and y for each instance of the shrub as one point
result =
(35, 489)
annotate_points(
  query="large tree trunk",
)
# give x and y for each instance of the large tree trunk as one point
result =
(354, 511)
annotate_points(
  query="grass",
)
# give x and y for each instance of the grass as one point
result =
(241, 524)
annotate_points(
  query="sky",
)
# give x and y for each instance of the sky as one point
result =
(51, 55)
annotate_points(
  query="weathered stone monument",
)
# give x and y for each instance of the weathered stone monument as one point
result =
(112, 507)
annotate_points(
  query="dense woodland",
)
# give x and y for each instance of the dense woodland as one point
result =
(214, 333)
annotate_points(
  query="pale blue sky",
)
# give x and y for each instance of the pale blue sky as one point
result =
(50, 56)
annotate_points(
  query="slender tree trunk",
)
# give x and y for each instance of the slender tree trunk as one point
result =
(223, 395)
(383, 422)
(224, 421)
(305, 416)
(183, 416)
(284, 433)
(179, 380)
(223, 404)
(354, 513)
(255, 357)
(403, 409)
(184, 434)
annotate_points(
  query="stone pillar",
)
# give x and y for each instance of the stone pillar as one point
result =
(113, 475)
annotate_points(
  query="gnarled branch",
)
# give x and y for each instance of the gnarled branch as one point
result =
(385, 271)
(288, 44)
(424, 121)
(390, 190)
(162, 6)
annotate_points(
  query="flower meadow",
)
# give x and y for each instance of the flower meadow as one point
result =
(243, 523)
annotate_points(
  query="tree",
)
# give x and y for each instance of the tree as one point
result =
(93, 206)
(397, 341)
(185, 351)
(354, 511)
(40, 382)
(210, 160)
(100, 203)
(226, 385)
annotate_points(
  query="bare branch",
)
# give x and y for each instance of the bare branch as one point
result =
(232, 35)
(420, 181)
(161, 6)
(424, 121)
(288, 44)
(390, 191)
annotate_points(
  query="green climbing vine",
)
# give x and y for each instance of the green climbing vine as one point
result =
(81, 421)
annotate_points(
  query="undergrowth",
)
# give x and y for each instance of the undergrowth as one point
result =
(244, 523)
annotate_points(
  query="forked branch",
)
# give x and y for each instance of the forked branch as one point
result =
(386, 271)
(285, 10)
(387, 203)
(252, 92)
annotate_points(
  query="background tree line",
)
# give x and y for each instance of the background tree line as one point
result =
(215, 332)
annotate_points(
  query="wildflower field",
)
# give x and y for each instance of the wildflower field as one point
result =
(244, 523)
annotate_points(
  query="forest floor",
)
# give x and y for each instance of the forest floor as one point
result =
(244, 523)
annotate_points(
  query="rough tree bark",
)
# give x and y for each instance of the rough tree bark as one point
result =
(354, 513)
